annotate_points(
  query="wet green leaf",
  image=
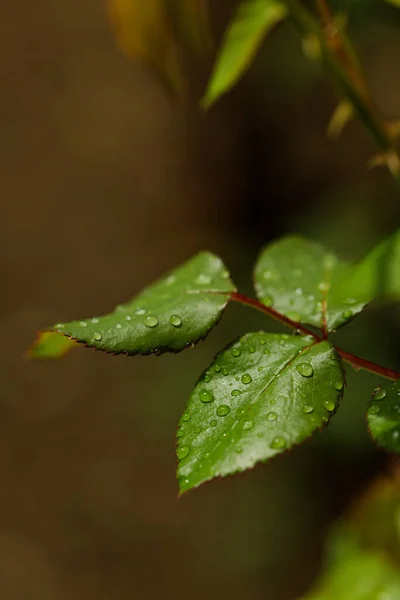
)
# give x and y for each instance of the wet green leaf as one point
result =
(295, 277)
(307, 283)
(50, 345)
(383, 416)
(176, 312)
(261, 396)
(253, 21)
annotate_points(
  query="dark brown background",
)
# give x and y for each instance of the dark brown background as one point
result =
(106, 182)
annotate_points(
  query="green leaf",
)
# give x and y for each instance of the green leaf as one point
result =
(306, 282)
(50, 345)
(295, 277)
(144, 33)
(253, 21)
(262, 395)
(383, 416)
(174, 313)
(361, 576)
(377, 275)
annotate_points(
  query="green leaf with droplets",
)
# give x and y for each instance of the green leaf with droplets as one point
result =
(296, 276)
(262, 395)
(176, 312)
(383, 416)
(360, 576)
(306, 282)
(253, 21)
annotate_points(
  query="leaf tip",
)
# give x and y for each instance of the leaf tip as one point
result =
(50, 344)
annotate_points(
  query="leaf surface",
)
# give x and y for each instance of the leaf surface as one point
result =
(176, 312)
(253, 21)
(295, 276)
(383, 416)
(262, 395)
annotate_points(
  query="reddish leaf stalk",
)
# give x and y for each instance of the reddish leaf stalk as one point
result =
(356, 361)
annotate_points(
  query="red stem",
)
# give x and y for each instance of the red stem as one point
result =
(356, 361)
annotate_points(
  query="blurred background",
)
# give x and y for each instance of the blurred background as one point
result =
(106, 183)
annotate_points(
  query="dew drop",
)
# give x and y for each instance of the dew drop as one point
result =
(207, 378)
(225, 274)
(305, 369)
(338, 385)
(379, 393)
(179, 433)
(248, 425)
(198, 430)
(323, 286)
(83, 324)
(225, 372)
(278, 443)
(347, 314)
(186, 417)
(307, 409)
(235, 393)
(151, 321)
(236, 352)
(175, 320)
(329, 405)
(170, 280)
(59, 326)
(266, 351)
(182, 452)
(260, 369)
(97, 336)
(118, 326)
(374, 409)
(206, 396)
(267, 274)
(94, 320)
(203, 279)
(217, 368)
(298, 291)
(140, 311)
(128, 318)
(252, 349)
(213, 423)
(350, 301)
(267, 301)
(246, 379)
(272, 416)
(223, 410)
(293, 316)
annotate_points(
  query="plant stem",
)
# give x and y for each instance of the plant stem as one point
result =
(367, 365)
(342, 64)
(356, 361)
(271, 312)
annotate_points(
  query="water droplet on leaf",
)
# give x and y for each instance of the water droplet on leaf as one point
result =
(329, 405)
(236, 352)
(338, 385)
(186, 417)
(374, 409)
(278, 443)
(151, 321)
(379, 393)
(307, 409)
(175, 320)
(248, 425)
(235, 393)
(206, 396)
(97, 336)
(223, 410)
(272, 416)
(213, 422)
(246, 379)
(83, 324)
(182, 452)
(305, 369)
